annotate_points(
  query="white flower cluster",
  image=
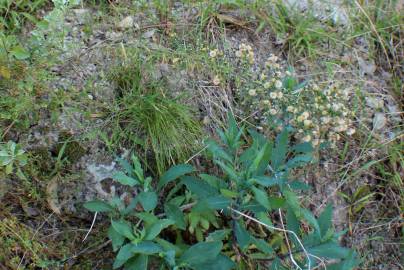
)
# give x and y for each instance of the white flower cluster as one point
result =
(316, 114)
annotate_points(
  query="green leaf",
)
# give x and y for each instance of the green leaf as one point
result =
(325, 220)
(139, 262)
(261, 160)
(305, 147)
(174, 212)
(123, 228)
(229, 171)
(157, 227)
(124, 179)
(242, 236)
(174, 173)
(201, 252)
(298, 185)
(311, 220)
(261, 197)
(280, 150)
(299, 161)
(98, 206)
(214, 203)
(293, 202)
(267, 181)
(20, 52)
(221, 262)
(262, 245)
(214, 181)
(198, 187)
(228, 193)
(330, 250)
(116, 238)
(129, 250)
(218, 235)
(148, 200)
(217, 151)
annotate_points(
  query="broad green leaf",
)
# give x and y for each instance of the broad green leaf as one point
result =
(214, 181)
(98, 206)
(293, 202)
(157, 227)
(215, 203)
(305, 147)
(124, 179)
(148, 218)
(139, 262)
(148, 200)
(276, 202)
(242, 236)
(261, 160)
(201, 252)
(292, 223)
(325, 220)
(299, 161)
(221, 262)
(174, 212)
(280, 150)
(174, 173)
(169, 257)
(267, 181)
(229, 171)
(262, 245)
(123, 228)
(167, 246)
(144, 247)
(311, 220)
(330, 250)
(198, 187)
(261, 197)
(218, 235)
(298, 185)
(116, 238)
(228, 193)
(20, 53)
(217, 151)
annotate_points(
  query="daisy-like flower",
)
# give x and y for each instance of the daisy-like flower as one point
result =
(273, 95)
(290, 108)
(279, 95)
(273, 111)
(213, 53)
(267, 85)
(278, 84)
(252, 92)
(266, 102)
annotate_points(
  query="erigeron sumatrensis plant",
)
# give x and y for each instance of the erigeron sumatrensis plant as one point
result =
(273, 95)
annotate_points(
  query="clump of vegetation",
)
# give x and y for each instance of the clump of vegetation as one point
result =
(19, 249)
(13, 14)
(148, 114)
(276, 98)
(252, 204)
(12, 158)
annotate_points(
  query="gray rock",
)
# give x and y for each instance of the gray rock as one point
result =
(379, 121)
(126, 23)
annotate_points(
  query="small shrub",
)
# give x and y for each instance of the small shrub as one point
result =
(252, 204)
(276, 99)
